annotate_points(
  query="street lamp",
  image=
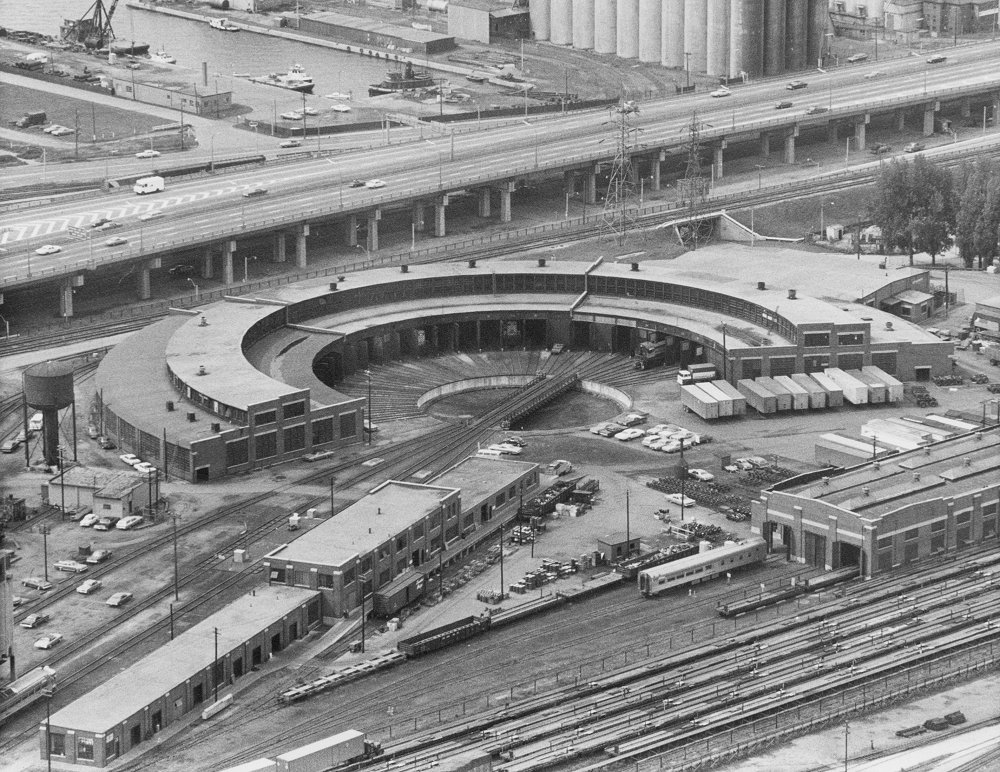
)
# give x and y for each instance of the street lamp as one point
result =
(245, 267)
(44, 530)
(822, 221)
(197, 290)
(177, 591)
(759, 167)
(62, 481)
(368, 373)
(687, 68)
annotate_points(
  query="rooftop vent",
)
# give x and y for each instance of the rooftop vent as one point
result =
(216, 428)
(877, 465)
(916, 477)
(761, 285)
(791, 294)
(192, 417)
(204, 322)
(541, 262)
(866, 491)
(826, 481)
(404, 268)
(888, 325)
(635, 266)
(472, 264)
(341, 278)
(202, 370)
(966, 461)
(170, 406)
(333, 285)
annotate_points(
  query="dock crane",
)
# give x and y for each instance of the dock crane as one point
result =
(93, 29)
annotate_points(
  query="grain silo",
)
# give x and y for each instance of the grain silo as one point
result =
(539, 11)
(746, 38)
(672, 33)
(649, 30)
(774, 36)
(583, 24)
(561, 22)
(796, 34)
(628, 29)
(695, 32)
(717, 38)
(819, 18)
(48, 388)
(605, 26)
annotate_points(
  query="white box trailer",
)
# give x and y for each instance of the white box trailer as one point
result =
(698, 402)
(800, 397)
(877, 391)
(894, 386)
(759, 398)
(834, 394)
(738, 400)
(723, 400)
(854, 390)
(817, 394)
(783, 396)
(260, 765)
(323, 754)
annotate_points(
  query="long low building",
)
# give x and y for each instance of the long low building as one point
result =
(182, 675)
(249, 383)
(888, 512)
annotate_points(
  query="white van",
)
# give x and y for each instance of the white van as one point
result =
(145, 185)
(35, 423)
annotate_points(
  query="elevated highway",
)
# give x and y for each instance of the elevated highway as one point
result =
(211, 215)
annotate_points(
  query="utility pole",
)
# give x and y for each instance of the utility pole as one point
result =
(44, 530)
(628, 528)
(617, 217)
(215, 664)
(501, 559)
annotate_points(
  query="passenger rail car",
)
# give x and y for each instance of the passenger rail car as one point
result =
(30, 687)
(701, 567)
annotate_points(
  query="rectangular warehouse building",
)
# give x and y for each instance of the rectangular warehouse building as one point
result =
(889, 512)
(182, 675)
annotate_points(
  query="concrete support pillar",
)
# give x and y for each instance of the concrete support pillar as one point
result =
(966, 107)
(929, 112)
(569, 182)
(434, 337)
(279, 255)
(351, 231)
(717, 153)
(484, 202)
(505, 192)
(831, 132)
(300, 245)
(657, 182)
(418, 217)
(207, 267)
(765, 145)
(633, 171)
(439, 219)
(372, 241)
(66, 287)
(859, 135)
(790, 148)
(479, 334)
(590, 188)
(228, 249)
(142, 289)
(901, 119)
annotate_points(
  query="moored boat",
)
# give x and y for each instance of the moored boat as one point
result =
(162, 57)
(402, 81)
(297, 79)
(223, 24)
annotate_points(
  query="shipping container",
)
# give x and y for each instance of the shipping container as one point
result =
(757, 397)
(800, 397)
(739, 402)
(817, 394)
(723, 400)
(855, 392)
(401, 591)
(834, 394)
(894, 386)
(323, 754)
(698, 402)
(782, 396)
(877, 391)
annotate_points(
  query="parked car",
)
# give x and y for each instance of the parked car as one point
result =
(19, 601)
(701, 474)
(629, 434)
(880, 148)
(127, 523)
(99, 222)
(70, 566)
(913, 147)
(90, 519)
(181, 270)
(106, 443)
(506, 448)
(292, 115)
(48, 249)
(89, 586)
(557, 348)
(144, 467)
(36, 583)
(611, 429)
(119, 599)
(515, 440)
(92, 432)
(310, 110)
(150, 153)
(796, 84)
(676, 498)
(317, 455)
(48, 641)
(110, 225)
(130, 458)
(106, 523)
(10, 446)
(559, 467)
(633, 418)
(873, 74)
(855, 58)
(357, 183)
(34, 620)
(98, 556)
(76, 515)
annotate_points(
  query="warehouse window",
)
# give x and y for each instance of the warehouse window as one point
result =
(937, 542)
(938, 525)
(85, 748)
(266, 417)
(400, 543)
(349, 576)
(781, 365)
(468, 521)
(322, 431)
(237, 452)
(348, 424)
(401, 565)
(383, 551)
(990, 528)
(417, 532)
(989, 509)
(885, 360)
(451, 533)
(850, 361)
(885, 542)
(266, 445)
(384, 577)
(913, 533)
(851, 338)
(57, 744)
(294, 438)
(293, 409)
(963, 517)
(366, 564)
(815, 339)
(324, 580)
(501, 498)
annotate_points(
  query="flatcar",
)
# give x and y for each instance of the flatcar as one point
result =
(701, 567)
(30, 687)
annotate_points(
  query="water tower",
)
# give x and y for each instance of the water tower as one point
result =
(48, 388)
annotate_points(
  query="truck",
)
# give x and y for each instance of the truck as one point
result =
(854, 390)
(759, 398)
(651, 354)
(334, 751)
(834, 394)
(35, 118)
(739, 402)
(817, 394)
(894, 387)
(695, 372)
(877, 391)
(721, 397)
(781, 394)
(145, 185)
(800, 397)
(697, 401)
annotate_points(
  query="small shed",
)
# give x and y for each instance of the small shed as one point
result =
(617, 546)
(488, 20)
(912, 305)
(106, 492)
(986, 319)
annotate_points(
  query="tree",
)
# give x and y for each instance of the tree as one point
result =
(971, 193)
(932, 208)
(888, 207)
(988, 222)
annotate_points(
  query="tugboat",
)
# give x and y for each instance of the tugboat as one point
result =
(162, 57)
(297, 79)
(223, 24)
(402, 81)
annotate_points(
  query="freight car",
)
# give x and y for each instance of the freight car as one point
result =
(339, 750)
(630, 568)
(439, 637)
(27, 689)
(830, 578)
(760, 600)
(702, 567)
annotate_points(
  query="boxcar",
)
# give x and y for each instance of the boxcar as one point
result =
(701, 567)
